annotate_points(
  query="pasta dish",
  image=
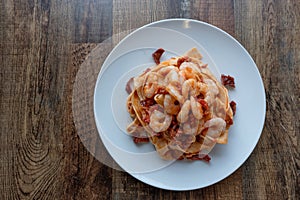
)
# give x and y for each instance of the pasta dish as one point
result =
(180, 107)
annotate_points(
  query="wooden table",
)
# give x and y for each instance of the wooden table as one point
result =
(44, 43)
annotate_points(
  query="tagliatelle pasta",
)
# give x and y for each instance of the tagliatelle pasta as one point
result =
(180, 107)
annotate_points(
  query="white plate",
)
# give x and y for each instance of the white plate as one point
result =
(176, 36)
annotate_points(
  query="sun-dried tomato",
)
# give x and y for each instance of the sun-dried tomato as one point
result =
(140, 140)
(129, 85)
(205, 158)
(233, 107)
(200, 96)
(157, 54)
(181, 60)
(227, 80)
(180, 158)
(204, 105)
(228, 120)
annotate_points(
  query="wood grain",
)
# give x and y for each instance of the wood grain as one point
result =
(274, 48)
(222, 17)
(93, 21)
(43, 45)
(80, 167)
(32, 88)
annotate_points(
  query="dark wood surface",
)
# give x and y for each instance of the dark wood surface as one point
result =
(44, 43)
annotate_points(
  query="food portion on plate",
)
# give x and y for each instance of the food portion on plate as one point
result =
(180, 107)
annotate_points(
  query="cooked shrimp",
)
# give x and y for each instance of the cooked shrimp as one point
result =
(171, 105)
(186, 87)
(159, 121)
(150, 89)
(172, 77)
(138, 81)
(151, 83)
(187, 73)
(190, 128)
(154, 77)
(175, 92)
(215, 127)
(212, 87)
(212, 91)
(183, 114)
(196, 108)
(193, 88)
(164, 71)
(191, 65)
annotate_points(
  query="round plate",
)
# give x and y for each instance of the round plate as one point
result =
(225, 56)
